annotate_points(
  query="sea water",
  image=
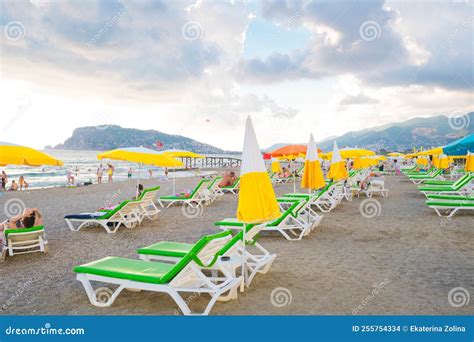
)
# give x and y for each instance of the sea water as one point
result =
(83, 165)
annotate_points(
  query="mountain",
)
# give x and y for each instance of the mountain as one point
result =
(109, 137)
(402, 136)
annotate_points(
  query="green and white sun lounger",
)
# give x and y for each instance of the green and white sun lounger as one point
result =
(463, 186)
(324, 200)
(412, 173)
(257, 259)
(23, 240)
(199, 195)
(214, 190)
(126, 214)
(450, 204)
(186, 276)
(445, 182)
(290, 224)
(418, 179)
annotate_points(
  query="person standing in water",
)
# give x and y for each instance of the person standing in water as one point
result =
(129, 174)
(100, 174)
(110, 173)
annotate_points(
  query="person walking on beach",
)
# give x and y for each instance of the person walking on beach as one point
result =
(129, 174)
(100, 174)
(23, 183)
(70, 177)
(110, 173)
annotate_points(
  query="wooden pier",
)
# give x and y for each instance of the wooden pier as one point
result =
(211, 162)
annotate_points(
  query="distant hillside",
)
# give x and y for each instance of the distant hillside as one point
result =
(402, 136)
(101, 138)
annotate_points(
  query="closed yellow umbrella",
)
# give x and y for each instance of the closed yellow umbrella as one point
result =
(275, 167)
(422, 161)
(313, 177)
(436, 161)
(469, 162)
(337, 169)
(443, 162)
(257, 200)
(11, 154)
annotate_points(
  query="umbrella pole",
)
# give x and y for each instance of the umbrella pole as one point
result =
(173, 182)
(138, 180)
(244, 276)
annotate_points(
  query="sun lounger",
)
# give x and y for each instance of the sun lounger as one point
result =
(324, 200)
(186, 276)
(418, 179)
(214, 190)
(148, 207)
(231, 256)
(126, 214)
(290, 224)
(23, 240)
(199, 195)
(445, 182)
(234, 188)
(376, 186)
(449, 205)
(463, 186)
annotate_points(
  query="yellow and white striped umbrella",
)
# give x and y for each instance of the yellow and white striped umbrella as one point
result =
(313, 177)
(337, 169)
(469, 162)
(443, 162)
(257, 200)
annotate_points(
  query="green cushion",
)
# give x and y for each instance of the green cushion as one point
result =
(451, 197)
(451, 204)
(22, 230)
(122, 268)
(166, 248)
(230, 222)
(191, 195)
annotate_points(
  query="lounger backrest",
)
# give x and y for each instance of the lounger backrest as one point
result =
(214, 183)
(148, 195)
(199, 187)
(202, 253)
(289, 211)
(462, 181)
(24, 233)
(125, 208)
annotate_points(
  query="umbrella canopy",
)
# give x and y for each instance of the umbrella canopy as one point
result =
(313, 177)
(141, 155)
(257, 200)
(469, 162)
(460, 147)
(395, 154)
(337, 169)
(182, 154)
(289, 150)
(422, 161)
(11, 154)
(350, 152)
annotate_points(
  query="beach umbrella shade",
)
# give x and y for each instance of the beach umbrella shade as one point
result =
(395, 154)
(313, 177)
(182, 154)
(140, 155)
(257, 200)
(358, 164)
(350, 153)
(469, 162)
(422, 161)
(289, 150)
(460, 147)
(11, 154)
(337, 169)
(443, 162)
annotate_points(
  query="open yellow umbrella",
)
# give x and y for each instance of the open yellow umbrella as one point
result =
(349, 152)
(337, 169)
(140, 155)
(469, 162)
(11, 154)
(395, 154)
(313, 177)
(182, 154)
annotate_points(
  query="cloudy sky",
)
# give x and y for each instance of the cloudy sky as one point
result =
(198, 68)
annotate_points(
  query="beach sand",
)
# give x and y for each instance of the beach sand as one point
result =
(404, 261)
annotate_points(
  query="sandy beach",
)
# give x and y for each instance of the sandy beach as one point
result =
(404, 261)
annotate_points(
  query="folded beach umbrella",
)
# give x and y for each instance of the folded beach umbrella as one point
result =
(460, 147)
(469, 162)
(140, 155)
(435, 161)
(257, 200)
(337, 169)
(422, 161)
(275, 167)
(313, 177)
(443, 162)
(11, 154)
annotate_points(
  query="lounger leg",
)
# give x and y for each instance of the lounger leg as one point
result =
(93, 296)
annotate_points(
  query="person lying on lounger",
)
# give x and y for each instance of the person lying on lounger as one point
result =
(285, 173)
(31, 217)
(228, 179)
